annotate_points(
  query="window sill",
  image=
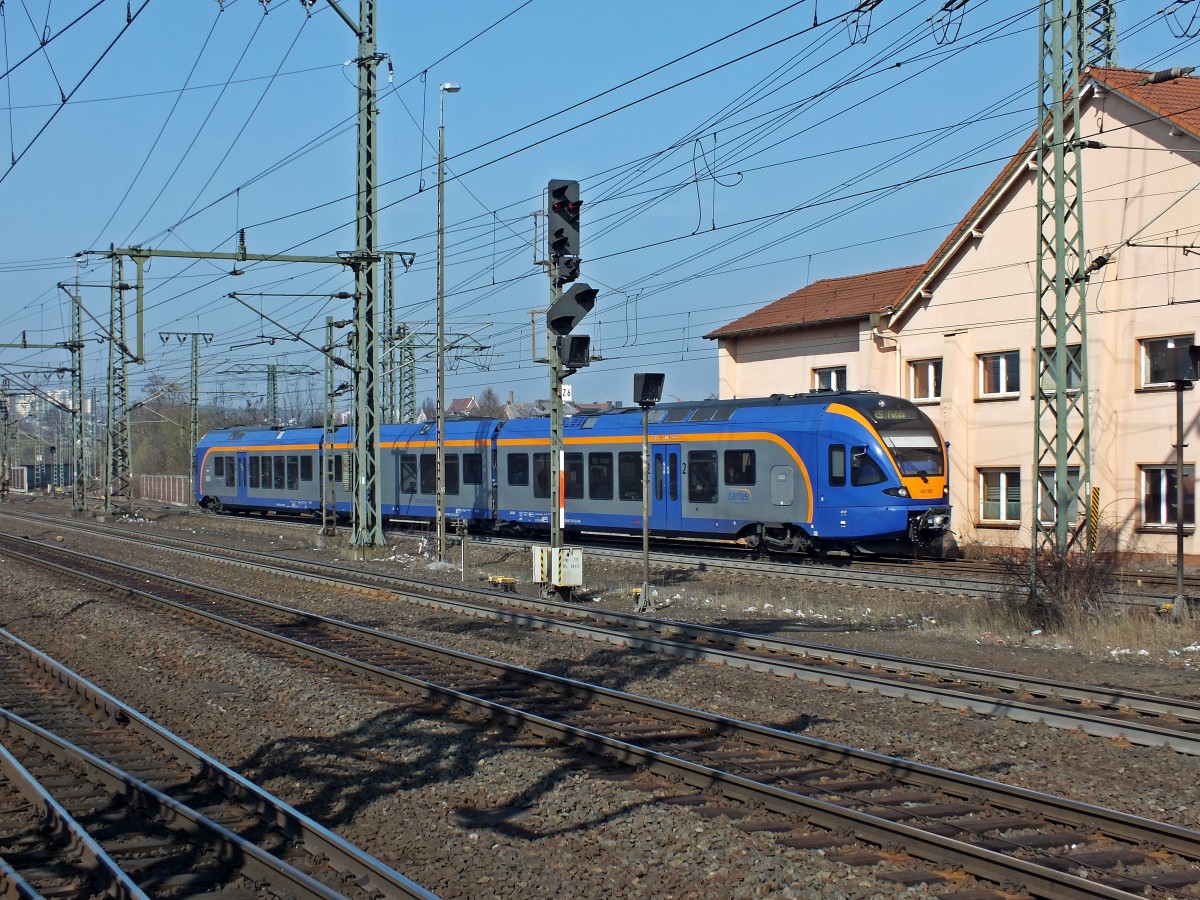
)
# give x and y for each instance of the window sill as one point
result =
(927, 401)
(1003, 526)
(993, 398)
(1156, 388)
(1165, 529)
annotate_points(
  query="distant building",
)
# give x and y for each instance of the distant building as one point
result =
(956, 333)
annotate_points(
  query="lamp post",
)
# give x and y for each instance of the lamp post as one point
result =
(1184, 362)
(449, 87)
(647, 391)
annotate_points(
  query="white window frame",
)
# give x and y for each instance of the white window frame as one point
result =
(1010, 370)
(1005, 474)
(1164, 474)
(836, 377)
(1045, 484)
(932, 369)
(1146, 356)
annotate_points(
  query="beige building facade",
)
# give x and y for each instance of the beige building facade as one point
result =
(956, 334)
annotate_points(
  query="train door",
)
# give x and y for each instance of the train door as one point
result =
(242, 477)
(665, 488)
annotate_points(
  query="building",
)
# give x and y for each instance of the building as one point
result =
(956, 333)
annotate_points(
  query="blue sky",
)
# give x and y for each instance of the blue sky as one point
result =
(728, 155)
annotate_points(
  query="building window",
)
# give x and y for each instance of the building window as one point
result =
(1000, 495)
(1074, 369)
(1045, 489)
(1158, 496)
(1157, 360)
(999, 374)
(925, 380)
(830, 378)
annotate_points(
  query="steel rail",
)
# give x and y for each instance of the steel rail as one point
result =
(94, 864)
(1047, 701)
(986, 862)
(252, 860)
(315, 838)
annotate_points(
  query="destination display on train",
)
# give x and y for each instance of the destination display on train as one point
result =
(893, 415)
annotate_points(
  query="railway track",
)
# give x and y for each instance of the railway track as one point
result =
(973, 837)
(1106, 712)
(96, 800)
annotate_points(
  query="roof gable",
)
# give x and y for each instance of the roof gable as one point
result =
(1176, 100)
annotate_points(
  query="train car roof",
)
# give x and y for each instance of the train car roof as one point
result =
(751, 409)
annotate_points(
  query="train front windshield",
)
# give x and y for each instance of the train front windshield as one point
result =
(913, 441)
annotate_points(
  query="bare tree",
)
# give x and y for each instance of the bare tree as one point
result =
(490, 404)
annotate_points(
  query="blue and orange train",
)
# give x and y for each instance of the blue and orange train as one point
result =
(857, 472)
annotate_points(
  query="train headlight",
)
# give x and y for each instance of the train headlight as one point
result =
(896, 491)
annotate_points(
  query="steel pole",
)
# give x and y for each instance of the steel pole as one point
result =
(644, 599)
(1180, 601)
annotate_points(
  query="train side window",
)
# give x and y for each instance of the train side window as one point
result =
(337, 468)
(863, 468)
(253, 464)
(600, 476)
(658, 477)
(541, 475)
(280, 472)
(518, 469)
(408, 473)
(306, 468)
(472, 468)
(740, 467)
(629, 476)
(702, 476)
(428, 473)
(230, 471)
(293, 473)
(574, 476)
(677, 415)
(673, 478)
(267, 467)
(451, 473)
(704, 414)
(218, 467)
(837, 465)
(724, 414)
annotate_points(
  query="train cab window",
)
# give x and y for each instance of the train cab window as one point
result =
(724, 414)
(306, 468)
(677, 415)
(408, 473)
(428, 473)
(863, 468)
(293, 473)
(518, 468)
(702, 476)
(253, 464)
(739, 467)
(837, 465)
(600, 476)
(451, 473)
(574, 476)
(280, 478)
(472, 468)
(629, 476)
(541, 475)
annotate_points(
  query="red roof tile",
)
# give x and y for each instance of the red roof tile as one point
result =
(829, 300)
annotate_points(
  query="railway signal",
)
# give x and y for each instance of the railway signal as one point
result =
(562, 228)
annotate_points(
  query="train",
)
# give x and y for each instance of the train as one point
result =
(845, 472)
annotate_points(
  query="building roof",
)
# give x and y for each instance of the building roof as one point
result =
(1176, 100)
(828, 300)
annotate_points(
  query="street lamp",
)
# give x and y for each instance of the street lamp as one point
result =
(647, 391)
(449, 87)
